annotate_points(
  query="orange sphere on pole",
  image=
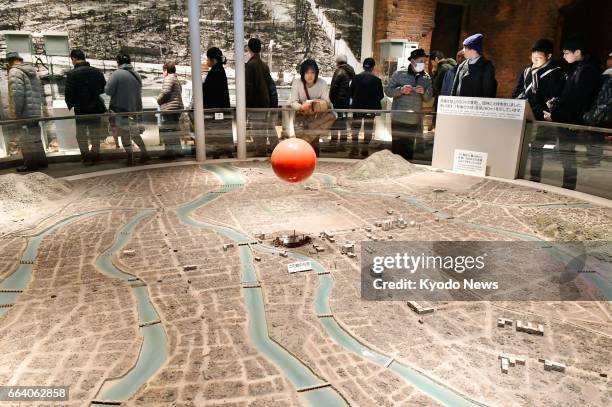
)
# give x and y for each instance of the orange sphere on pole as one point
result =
(293, 160)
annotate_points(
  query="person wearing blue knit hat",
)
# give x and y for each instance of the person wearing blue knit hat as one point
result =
(476, 75)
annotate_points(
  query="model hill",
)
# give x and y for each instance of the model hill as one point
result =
(382, 164)
(22, 191)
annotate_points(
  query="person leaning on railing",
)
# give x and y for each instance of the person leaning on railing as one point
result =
(310, 98)
(25, 102)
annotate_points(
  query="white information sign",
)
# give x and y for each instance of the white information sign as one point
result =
(218, 116)
(482, 107)
(299, 266)
(470, 162)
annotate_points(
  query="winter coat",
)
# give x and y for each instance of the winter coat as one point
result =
(600, 113)
(170, 97)
(444, 65)
(257, 83)
(25, 92)
(339, 89)
(125, 89)
(413, 101)
(447, 83)
(84, 85)
(539, 86)
(475, 80)
(578, 94)
(366, 92)
(215, 90)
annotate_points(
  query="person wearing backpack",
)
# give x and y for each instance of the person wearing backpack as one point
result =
(84, 87)
(125, 89)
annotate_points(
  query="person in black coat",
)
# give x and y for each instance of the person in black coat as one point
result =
(580, 88)
(366, 92)
(339, 94)
(476, 75)
(84, 85)
(541, 81)
(578, 95)
(214, 88)
(219, 139)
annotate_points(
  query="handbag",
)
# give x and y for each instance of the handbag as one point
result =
(315, 122)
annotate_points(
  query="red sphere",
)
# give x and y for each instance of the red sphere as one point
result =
(293, 160)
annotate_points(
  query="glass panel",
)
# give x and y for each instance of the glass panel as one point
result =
(573, 157)
(95, 142)
(220, 133)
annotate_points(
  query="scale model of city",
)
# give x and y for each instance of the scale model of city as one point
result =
(221, 285)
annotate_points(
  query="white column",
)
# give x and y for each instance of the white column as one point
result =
(196, 79)
(367, 30)
(240, 86)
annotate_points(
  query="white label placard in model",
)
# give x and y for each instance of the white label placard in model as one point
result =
(299, 266)
(218, 116)
(470, 162)
(482, 107)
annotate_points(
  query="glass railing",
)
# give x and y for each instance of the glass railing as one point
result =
(575, 157)
(343, 133)
(94, 142)
(569, 156)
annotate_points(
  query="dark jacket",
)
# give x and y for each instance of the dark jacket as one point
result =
(257, 81)
(539, 86)
(600, 114)
(366, 92)
(444, 65)
(475, 80)
(84, 85)
(447, 83)
(339, 89)
(578, 94)
(215, 90)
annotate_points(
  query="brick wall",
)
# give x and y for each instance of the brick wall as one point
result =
(510, 28)
(404, 19)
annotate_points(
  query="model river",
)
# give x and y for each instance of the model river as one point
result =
(298, 373)
(150, 359)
